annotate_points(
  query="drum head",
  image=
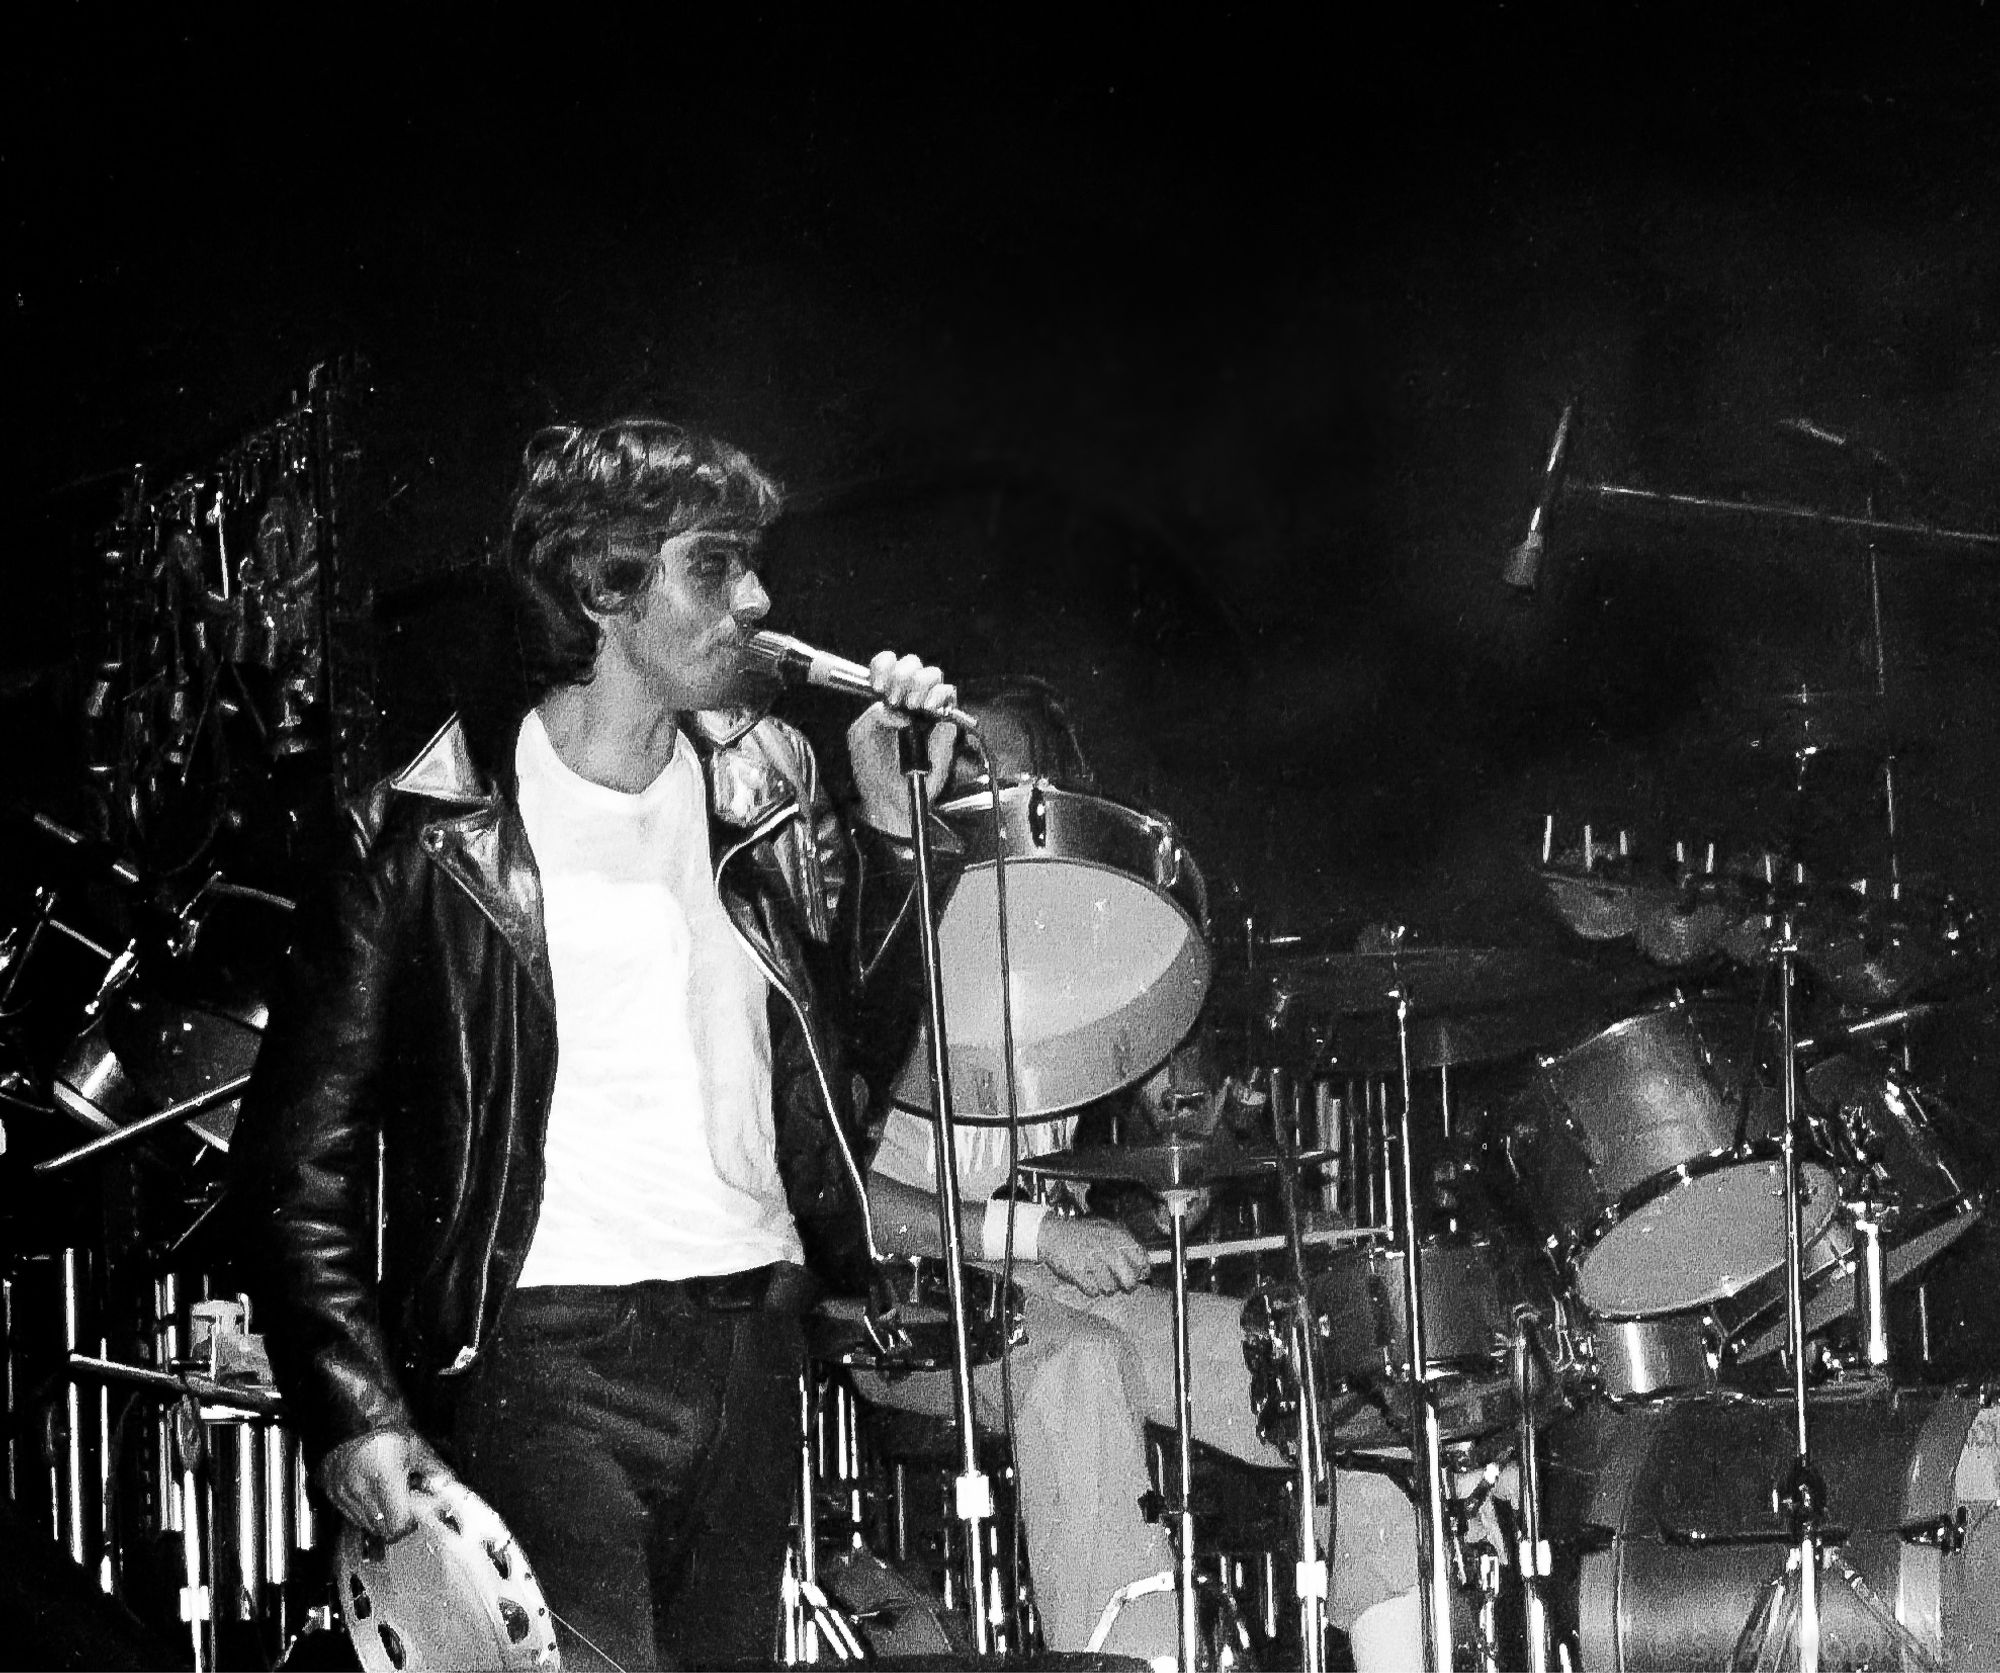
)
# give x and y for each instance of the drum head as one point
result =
(1107, 962)
(457, 1593)
(1710, 1235)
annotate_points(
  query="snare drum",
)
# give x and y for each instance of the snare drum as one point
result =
(1668, 1492)
(1106, 911)
(1470, 1292)
(1633, 1167)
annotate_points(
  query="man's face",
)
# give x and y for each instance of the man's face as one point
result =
(683, 641)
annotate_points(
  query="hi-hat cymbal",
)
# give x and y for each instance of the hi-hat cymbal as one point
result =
(1175, 1165)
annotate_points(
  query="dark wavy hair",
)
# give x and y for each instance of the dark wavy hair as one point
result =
(586, 524)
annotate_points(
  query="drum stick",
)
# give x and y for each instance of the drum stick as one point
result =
(1262, 1245)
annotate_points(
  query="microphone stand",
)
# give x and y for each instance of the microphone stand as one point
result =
(973, 1492)
(1313, 1475)
(1433, 1562)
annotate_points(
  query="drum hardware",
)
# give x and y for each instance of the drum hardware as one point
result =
(118, 1137)
(1790, 1609)
(1532, 1552)
(973, 1491)
(837, 1329)
(1679, 1500)
(1176, 1164)
(1315, 1475)
(1223, 1641)
(1431, 1556)
(1176, 1171)
(1466, 1003)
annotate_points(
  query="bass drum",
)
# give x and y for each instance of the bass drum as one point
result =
(1106, 914)
(1653, 1481)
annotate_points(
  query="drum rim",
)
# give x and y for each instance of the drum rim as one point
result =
(1574, 1251)
(1678, 1006)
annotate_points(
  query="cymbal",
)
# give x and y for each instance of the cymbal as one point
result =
(1457, 1039)
(1175, 1165)
(1433, 979)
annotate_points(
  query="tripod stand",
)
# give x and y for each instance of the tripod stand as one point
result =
(1790, 1612)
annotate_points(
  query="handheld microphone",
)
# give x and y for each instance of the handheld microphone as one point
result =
(797, 663)
(1524, 563)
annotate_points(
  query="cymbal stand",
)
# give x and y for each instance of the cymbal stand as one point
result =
(1314, 1479)
(1432, 1561)
(1533, 1552)
(973, 1492)
(1178, 1202)
(1880, 655)
(1802, 1495)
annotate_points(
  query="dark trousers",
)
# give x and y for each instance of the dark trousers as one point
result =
(639, 1442)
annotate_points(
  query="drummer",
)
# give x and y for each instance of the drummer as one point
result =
(1098, 1361)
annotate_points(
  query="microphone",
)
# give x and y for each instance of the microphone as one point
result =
(797, 663)
(1524, 563)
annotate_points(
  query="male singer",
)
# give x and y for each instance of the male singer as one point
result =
(590, 993)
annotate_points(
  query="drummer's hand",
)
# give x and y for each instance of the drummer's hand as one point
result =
(907, 686)
(368, 1480)
(1094, 1255)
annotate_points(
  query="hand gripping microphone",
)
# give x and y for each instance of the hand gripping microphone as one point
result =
(797, 663)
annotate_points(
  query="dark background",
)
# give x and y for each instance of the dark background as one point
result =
(1202, 367)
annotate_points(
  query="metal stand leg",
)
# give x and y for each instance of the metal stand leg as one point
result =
(1177, 1207)
(1534, 1550)
(1432, 1558)
(973, 1493)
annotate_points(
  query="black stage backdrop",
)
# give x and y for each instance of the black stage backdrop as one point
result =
(1204, 368)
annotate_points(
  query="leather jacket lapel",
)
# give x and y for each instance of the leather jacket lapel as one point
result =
(483, 847)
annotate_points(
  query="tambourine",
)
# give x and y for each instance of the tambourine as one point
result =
(457, 1593)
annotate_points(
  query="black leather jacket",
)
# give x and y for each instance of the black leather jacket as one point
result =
(414, 1044)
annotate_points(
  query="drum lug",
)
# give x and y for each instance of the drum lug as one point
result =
(1947, 1533)
(1038, 816)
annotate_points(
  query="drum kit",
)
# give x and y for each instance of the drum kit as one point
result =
(1537, 1213)
(1683, 1197)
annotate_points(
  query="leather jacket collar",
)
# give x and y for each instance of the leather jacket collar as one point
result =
(481, 844)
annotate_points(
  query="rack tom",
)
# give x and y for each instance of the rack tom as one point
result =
(1638, 1164)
